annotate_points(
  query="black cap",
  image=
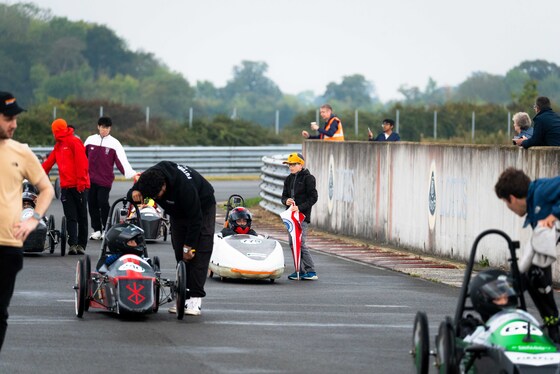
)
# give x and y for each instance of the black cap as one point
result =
(8, 104)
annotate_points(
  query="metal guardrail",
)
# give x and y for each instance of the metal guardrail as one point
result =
(273, 173)
(206, 160)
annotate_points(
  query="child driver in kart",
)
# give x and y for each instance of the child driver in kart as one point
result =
(239, 222)
(491, 293)
(122, 239)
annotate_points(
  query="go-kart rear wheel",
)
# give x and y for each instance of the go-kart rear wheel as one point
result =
(80, 288)
(51, 233)
(446, 351)
(63, 236)
(164, 233)
(420, 343)
(181, 289)
(157, 289)
(88, 277)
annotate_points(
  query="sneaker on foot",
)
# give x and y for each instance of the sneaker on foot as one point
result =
(310, 276)
(173, 309)
(81, 250)
(73, 250)
(294, 276)
(95, 235)
(193, 306)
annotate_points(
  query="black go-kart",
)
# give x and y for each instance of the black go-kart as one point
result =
(45, 237)
(510, 341)
(154, 220)
(130, 285)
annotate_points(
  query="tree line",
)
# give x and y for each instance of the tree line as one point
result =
(77, 67)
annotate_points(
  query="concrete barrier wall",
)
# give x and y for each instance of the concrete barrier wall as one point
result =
(431, 198)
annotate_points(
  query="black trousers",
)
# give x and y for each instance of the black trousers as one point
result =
(98, 205)
(74, 205)
(538, 282)
(197, 268)
(11, 262)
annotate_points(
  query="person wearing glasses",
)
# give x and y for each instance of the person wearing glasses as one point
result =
(388, 135)
(546, 126)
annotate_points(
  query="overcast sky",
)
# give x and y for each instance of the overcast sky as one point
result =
(310, 43)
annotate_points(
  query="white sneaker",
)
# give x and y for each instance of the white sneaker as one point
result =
(96, 235)
(193, 306)
(173, 309)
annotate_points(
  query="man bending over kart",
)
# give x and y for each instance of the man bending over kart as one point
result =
(239, 222)
(189, 201)
(122, 239)
(539, 201)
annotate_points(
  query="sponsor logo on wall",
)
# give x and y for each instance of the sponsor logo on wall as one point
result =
(432, 196)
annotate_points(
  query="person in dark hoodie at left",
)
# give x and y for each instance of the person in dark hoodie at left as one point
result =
(70, 155)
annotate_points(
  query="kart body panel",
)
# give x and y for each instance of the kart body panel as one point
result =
(127, 287)
(247, 257)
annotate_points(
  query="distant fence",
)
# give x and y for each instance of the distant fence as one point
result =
(206, 160)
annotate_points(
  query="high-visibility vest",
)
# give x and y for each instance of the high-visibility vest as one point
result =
(338, 136)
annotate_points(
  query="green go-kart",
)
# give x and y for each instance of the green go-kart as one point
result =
(511, 341)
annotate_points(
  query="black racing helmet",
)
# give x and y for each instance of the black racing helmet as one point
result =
(486, 288)
(30, 193)
(238, 213)
(120, 234)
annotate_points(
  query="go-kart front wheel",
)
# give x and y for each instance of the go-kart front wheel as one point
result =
(51, 233)
(420, 343)
(181, 289)
(80, 288)
(88, 277)
(446, 351)
(63, 236)
(157, 286)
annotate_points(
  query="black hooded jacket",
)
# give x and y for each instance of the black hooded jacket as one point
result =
(187, 194)
(301, 188)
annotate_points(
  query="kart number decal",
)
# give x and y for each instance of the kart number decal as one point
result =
(251, 241)
(519, 328)
(131, 266)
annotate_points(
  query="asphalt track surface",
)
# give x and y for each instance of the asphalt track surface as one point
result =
(356, 318)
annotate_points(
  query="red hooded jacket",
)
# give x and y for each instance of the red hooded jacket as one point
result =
(70, 155)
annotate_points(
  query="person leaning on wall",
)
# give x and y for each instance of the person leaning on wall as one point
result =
(332, 130)
(546, 126)
(387, 135)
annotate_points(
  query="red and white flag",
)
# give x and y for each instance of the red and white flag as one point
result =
(292, 220)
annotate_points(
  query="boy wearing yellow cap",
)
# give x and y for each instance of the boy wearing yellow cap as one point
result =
(300, 194)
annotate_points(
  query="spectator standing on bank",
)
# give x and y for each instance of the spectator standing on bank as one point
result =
(546, 124)
(522, 126)
(539, 201)
(188, 199)
(300, 194)
(332, 131)
(70, 155)
(103, 152)
(388, 135)
(17, 163)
